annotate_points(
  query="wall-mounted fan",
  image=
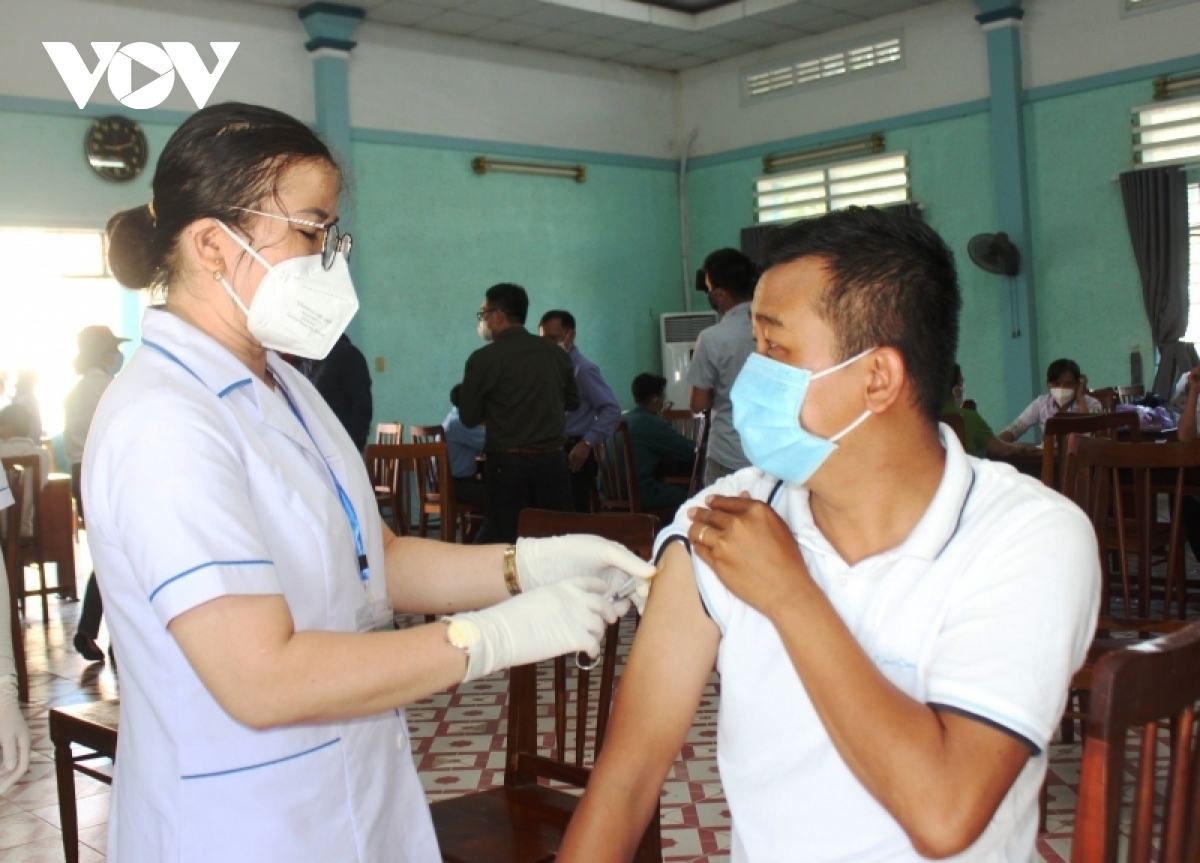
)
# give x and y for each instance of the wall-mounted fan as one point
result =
(995, 253)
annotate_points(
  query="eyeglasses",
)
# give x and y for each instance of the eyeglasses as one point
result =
(483, 313)
(335, 241)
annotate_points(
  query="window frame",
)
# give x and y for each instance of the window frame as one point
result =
(831, 199)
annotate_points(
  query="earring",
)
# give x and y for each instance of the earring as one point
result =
(218, 275)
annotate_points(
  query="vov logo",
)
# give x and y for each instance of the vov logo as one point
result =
(172, 57)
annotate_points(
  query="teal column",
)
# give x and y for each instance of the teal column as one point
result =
(1001, 22)
(329, 27)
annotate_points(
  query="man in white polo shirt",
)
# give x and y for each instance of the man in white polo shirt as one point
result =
(895, 622)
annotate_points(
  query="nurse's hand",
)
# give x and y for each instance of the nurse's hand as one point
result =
(548, 561)
(14, 735)
(561, 618)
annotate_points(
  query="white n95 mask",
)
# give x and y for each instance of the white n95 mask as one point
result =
(300, 307)
(1062, 396)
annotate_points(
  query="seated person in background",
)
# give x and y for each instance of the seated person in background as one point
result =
(980, 442)
(15, 440)
(1067, 395)
(1187, 432)
(25, 395)
(464, 445)
(653, 438)
(894, 658)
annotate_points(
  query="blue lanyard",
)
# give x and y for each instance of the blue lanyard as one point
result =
(364, 571)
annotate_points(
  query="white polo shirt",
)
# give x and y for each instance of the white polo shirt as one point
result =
(987, 609)
(200, 482)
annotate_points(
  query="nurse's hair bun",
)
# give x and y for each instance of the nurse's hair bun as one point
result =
(136, 253)
(221, 161)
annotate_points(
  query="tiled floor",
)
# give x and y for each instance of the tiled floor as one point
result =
(458, 745)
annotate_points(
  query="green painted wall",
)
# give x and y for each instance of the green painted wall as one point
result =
(433, 237)
(1089, 304)
(430, 238)
(1089, 293)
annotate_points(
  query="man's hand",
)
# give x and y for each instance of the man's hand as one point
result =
(578, 456)
(1081, 388)
(750, 548)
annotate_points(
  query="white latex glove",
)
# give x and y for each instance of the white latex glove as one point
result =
(561, 618)
(541, 562)
(14, 735)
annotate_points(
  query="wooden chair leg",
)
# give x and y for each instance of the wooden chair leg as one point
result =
(18, 638)
(65, 773)
(1043, 803)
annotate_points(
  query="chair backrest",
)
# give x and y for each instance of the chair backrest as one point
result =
(1098, 425)
(955, 421)
(694, 426)
(422, 460)
(426, 434)
(616, 478)
(1116, 485)
(10, 546)
(1107, 396)
(389, 470)
(32, 467)
(1128, 395)
(635, 531)
(1139, 690)
(389, 433)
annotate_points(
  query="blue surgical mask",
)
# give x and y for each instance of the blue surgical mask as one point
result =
(767, 399)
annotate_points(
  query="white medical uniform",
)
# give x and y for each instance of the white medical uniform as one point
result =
(986, 609)
(200, 483)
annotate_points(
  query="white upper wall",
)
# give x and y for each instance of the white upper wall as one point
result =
(1069, 39)
(415, 82)
(442, 85)
(945, 64)
(400, 80)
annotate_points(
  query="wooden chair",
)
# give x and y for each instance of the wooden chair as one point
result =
(15, 573)
(524, 821)
(1108, 398)
(1099, 425)
(398, 462)
(429, 479)
(32, 550)
(696, 427)
(389, 433)
(94, 727)
(1117, 484)
(616, 479)
(955, 421)
(468, 518)
(1128, 395)
(1137, 690)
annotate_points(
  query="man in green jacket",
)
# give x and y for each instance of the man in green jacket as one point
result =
(653, 439)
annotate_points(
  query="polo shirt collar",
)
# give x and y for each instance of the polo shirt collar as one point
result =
(741, 310)
(936, 527)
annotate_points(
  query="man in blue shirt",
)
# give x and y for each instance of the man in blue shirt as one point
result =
(597, 416)
(464, 445)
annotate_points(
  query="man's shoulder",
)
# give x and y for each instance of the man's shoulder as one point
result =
(1003, 496)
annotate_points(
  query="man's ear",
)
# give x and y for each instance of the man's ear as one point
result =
(887, 380)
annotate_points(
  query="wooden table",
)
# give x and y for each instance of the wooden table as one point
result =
(92, 725)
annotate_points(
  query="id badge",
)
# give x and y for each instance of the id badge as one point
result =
(374, 616)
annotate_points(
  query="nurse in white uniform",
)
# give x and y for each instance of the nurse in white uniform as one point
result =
(249, 579)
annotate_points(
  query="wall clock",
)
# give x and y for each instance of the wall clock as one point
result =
(116, 148)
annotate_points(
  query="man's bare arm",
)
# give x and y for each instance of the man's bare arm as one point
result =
(701, 400)
(661, 686)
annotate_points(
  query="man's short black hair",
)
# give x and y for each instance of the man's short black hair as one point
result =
(733, 271)
(892, 283)
(454, 391)
(510, 299)
(562, 316)
(18, 419)
(648, 386)
(1060, 367)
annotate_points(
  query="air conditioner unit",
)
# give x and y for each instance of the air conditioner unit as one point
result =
(679, 332)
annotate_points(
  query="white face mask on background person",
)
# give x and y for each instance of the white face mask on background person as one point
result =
(1062, 396)
(485, 332)
(300, 308)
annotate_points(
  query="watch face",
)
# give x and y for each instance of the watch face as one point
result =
(116, 148)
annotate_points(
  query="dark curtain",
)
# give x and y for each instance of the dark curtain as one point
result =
(1156, 211)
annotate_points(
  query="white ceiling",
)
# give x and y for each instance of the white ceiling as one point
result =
(623, 31)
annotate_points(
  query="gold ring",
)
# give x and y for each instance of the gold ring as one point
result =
(700, 535)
